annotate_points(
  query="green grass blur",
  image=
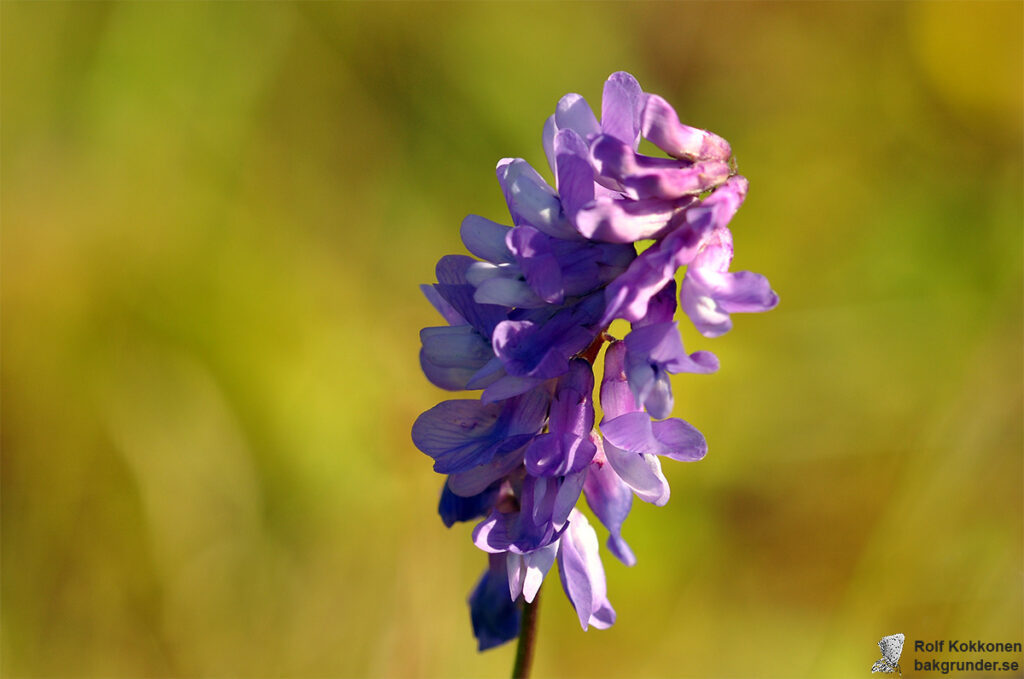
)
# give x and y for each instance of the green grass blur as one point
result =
(214, 220)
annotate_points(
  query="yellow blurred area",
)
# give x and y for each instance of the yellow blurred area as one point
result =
(214, 219)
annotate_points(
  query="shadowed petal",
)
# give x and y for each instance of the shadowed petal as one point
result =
(495, 616)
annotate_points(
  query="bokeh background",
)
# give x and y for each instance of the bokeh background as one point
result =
(214, 220)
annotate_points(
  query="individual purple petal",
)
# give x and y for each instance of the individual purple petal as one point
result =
(673, 438)
(526, 571)
(661, 308)
(446, 310)
(506, 289)
(476, 480)
(531, 201)
(611, 219)
(616, 396)
(534, 253)
(661, 126)
(515, 531)
(495, 616)
(709, 293)
(628, 295)
(575, 175)
(610, 499)
(453, 508)
(621, 106)
(566, 448)
(643, 177)
(547, 500)
(542, 348)
(452, 355)
(642, 473)
(486, 239)
(568, 494)
(455, 288)
(582, 574)
(548, 140)
(652, 352)
(574, 113)
(651, 386)
(463, 434)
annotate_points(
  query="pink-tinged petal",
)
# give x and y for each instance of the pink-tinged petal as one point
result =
(579, 565)
(661, 308)
(672, 438)
(628, 295)
(660, 125)
(616, 396)
(574, 113)
(709, 293)
(644, 177)
(486, 239)
(610, 499)
(642, 473)
(621, 107)
(614, 219)
(708, 299)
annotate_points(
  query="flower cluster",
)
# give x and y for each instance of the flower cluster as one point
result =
(526, 321)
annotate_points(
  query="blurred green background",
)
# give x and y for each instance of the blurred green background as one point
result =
(214, 220)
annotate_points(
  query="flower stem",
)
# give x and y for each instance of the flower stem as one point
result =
(527, 639)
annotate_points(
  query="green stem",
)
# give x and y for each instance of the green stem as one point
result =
(527, 639)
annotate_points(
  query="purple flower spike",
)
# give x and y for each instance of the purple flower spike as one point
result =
(566, 448)
(709, 293)
(579, 566)
(526, 322)
(494, 615)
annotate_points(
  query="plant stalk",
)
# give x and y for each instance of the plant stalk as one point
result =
(527, 639)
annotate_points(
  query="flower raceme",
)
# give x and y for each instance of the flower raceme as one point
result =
(526, 319)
